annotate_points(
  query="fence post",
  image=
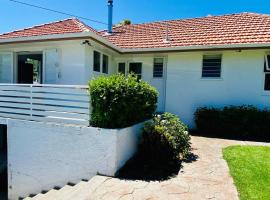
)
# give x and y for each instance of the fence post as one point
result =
(31, 102)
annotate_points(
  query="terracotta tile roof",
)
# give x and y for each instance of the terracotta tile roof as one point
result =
(59, 27)
(243, 28)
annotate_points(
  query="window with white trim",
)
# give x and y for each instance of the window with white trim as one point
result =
(122, 68)
(267, 73)
(136, 68)
(97, 58)
(105, 64)
(211, 66)
(158, 67)
(100, 62)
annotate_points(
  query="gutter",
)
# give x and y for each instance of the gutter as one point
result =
(101, 40)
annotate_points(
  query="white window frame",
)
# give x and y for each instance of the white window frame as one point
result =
(101, 62)
(267, 63)
(125, 73)
(221, 67)
(265, 72)
(163, 68)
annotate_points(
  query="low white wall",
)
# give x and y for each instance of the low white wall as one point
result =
(43, 155)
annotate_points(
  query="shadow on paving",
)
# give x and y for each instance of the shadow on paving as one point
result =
(138, 168)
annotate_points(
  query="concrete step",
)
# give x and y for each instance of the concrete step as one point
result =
(49, 195)
(80, 191)
(75, 191)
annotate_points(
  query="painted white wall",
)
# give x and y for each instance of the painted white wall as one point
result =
(147, 73)
(242, 82)
(43, 155)
(75, 59)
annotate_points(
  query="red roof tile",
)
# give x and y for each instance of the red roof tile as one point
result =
(59, 27)
(244, 28)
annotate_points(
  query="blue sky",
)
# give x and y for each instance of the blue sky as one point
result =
(16, 16)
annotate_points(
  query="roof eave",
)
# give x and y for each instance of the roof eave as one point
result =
(198, 48)
(55, 37)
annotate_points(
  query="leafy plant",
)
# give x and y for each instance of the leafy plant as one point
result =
(118, 101)
(165, 139)
(243, 122)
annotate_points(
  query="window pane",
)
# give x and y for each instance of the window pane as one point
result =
(96, 61)
(267, 68)
(267, 82)
(211, 66)
(158, 68)
(122, 68)
(136, 68)
(105, 64)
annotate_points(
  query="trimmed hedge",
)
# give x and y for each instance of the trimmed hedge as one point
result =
(165, 139)
(118, 101)
(240, 122)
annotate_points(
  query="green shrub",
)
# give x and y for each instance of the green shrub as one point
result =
(118, 101)
(165, 139)
(241, 122)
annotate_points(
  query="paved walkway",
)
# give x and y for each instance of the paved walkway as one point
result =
(206, 178)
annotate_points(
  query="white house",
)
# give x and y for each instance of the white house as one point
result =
(210, 61)
(44, 70)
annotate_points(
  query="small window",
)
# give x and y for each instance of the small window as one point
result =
(158, 68)
(96, 61)
(105, 64)
(211, 66)
(267, 82)
(122, 68)
(267, 63)
(267, 73)
(136, 68)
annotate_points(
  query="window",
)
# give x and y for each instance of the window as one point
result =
(136, 68)
(96, 61)
(158, 68)
(211, 66)
(267, 73)
(105, 64)
(122, 68)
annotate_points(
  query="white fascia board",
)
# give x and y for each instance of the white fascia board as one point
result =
(197, 47)
(61, 36)
(131, 50)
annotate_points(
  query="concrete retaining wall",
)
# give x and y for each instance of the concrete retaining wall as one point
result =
(42, 155)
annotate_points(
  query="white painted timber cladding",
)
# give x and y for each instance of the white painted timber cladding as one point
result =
(48, 103)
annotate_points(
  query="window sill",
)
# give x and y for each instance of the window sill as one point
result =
(266, 93)
(211, 79)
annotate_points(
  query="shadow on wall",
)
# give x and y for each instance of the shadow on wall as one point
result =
(3, 162)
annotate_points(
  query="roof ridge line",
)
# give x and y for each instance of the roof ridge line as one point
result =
(190, 18)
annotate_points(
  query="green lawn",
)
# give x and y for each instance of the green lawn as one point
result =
(250, 169)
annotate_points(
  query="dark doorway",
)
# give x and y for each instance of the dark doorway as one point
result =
(30, 68)
(3, 163)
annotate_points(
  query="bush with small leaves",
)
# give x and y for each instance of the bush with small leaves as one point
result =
(118, 101)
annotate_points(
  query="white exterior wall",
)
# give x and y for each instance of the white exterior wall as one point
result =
(147, 73)
(242, 82)
(42, 155)
(75, 59)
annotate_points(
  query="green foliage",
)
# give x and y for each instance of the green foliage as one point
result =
(118, 101)
(243, 122)
(165, 139)
(123, 22)
(250, 169)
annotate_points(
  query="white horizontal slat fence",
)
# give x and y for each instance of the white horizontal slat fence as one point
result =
(68, 104)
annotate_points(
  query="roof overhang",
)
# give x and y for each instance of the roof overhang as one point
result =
(59, 37)
(197, 48)
(101, 40)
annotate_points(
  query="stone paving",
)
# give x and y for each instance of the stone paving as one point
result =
(206, 178)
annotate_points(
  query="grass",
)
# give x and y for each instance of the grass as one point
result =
(250, 169)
